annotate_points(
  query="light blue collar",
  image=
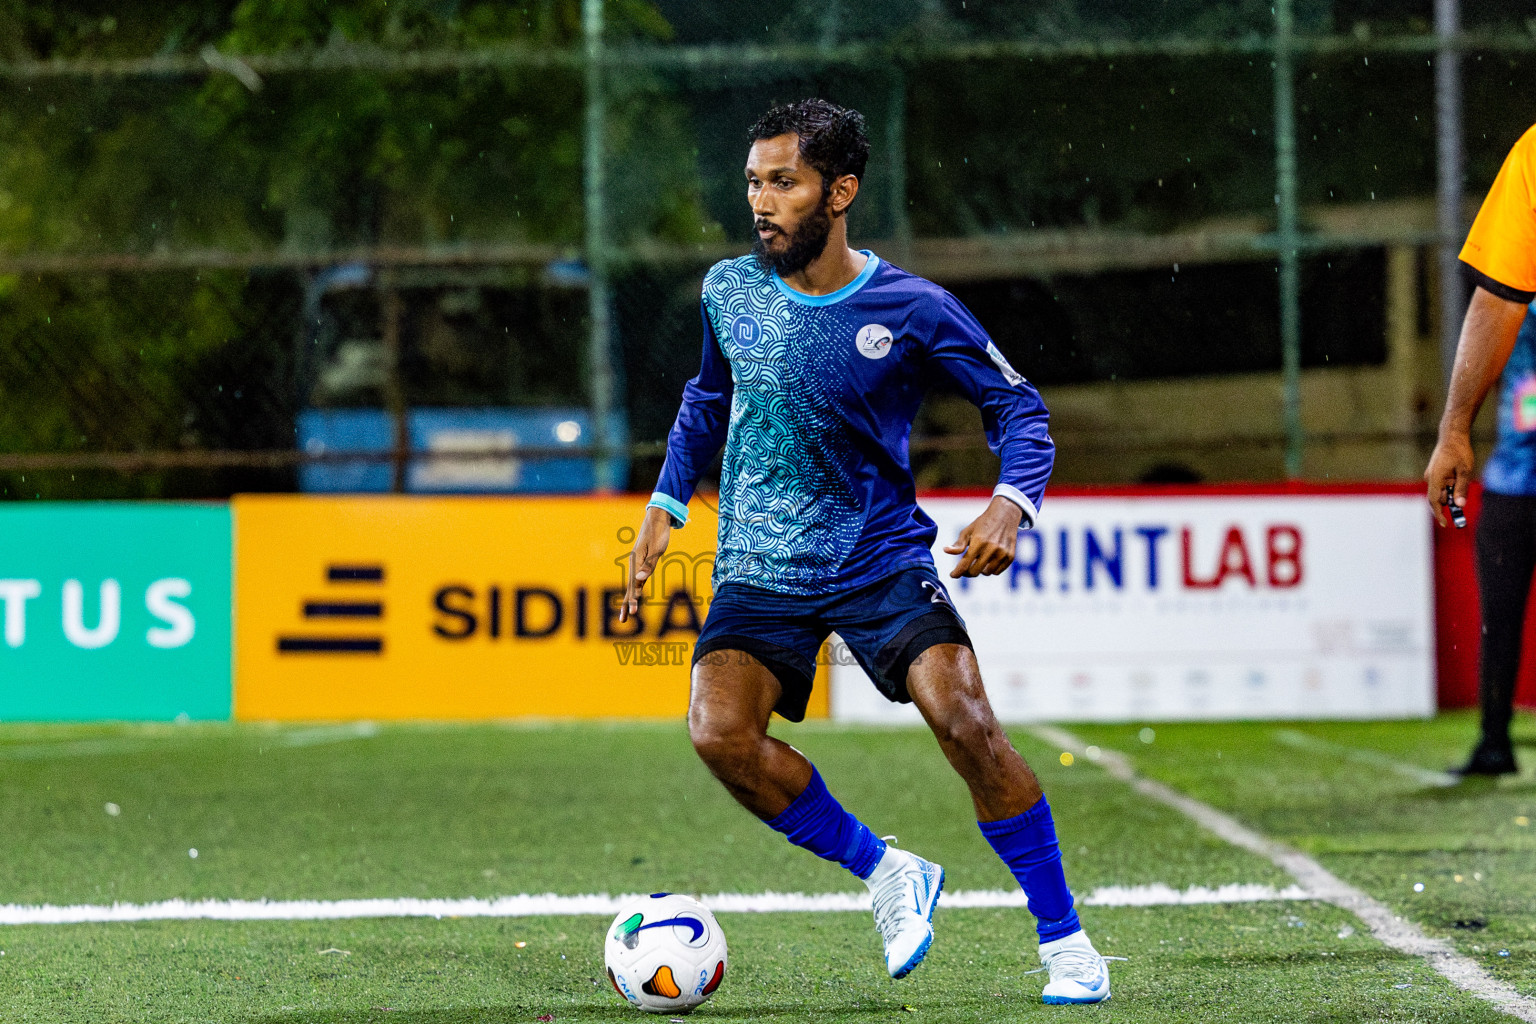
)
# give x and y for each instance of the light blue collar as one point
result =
(870, 266)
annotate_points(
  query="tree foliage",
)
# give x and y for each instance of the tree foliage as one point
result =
(307, 162)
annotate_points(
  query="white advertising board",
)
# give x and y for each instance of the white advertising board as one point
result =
(1205, 607)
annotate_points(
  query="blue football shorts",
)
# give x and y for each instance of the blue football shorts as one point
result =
(885, 625)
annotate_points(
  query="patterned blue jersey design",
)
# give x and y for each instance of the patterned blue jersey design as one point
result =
(1511, 469)
(813, 398)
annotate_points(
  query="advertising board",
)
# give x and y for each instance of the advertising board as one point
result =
(1196, 607)
(395, 607)
(114, 611)
(1134, 606)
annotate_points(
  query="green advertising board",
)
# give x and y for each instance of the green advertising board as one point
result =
(114, 611)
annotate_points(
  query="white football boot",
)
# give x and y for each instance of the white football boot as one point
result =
(906, 889)
(1078, 973)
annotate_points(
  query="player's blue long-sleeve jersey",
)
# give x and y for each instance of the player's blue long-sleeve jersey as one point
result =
(813, 398)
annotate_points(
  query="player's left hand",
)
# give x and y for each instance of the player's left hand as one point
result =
(987, 545)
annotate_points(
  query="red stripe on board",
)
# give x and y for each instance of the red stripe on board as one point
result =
(1458, 620)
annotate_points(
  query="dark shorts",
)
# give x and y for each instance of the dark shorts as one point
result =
(885, 624)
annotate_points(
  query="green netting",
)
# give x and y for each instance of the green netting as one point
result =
(1096, 177)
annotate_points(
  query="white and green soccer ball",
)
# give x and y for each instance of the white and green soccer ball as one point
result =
(665, 953)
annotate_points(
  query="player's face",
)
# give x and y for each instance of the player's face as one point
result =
(789, 208)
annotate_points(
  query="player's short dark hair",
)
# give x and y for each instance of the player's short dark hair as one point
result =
(832, 138)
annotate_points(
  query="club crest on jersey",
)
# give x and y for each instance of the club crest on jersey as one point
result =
(746, 331)
(1014, 376)
(1525, 404)
(873, 341)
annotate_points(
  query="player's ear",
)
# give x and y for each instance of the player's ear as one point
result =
(843, 191)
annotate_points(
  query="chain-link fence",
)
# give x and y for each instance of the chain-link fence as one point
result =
(458, 246)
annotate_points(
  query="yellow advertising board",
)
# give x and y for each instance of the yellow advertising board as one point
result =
(395, 607)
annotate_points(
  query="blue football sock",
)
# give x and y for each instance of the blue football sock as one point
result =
(817, 822)
(1027, 844)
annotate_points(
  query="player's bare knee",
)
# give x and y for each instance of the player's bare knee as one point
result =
(729, 752)
(967, 725)
(974, 733)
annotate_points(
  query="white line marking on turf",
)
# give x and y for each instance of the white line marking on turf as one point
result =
(327, 734)
(1375, 758)
(1389, 929)
(103, 745)
(75, 748)
(549, 904)
(1163, 896)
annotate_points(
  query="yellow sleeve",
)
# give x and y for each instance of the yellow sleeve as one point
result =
(1500, 253)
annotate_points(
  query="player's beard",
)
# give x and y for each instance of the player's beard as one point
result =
(807, 242)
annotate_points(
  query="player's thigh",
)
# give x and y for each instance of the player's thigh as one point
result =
(945, 684)
(890, 625)
(732, 693)
(755, 655)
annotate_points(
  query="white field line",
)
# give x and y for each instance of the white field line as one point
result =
(603, 904)
(76, 748)
(1375, 758)
(1389, 929)
(326, 734)
(104, 745)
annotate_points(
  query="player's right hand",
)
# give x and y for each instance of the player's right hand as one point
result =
(650, 545)
(1450, 465)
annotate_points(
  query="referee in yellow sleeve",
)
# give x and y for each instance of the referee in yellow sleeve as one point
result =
(1497, 337)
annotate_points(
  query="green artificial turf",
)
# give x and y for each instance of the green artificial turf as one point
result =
(487, 810)
(484, 811)
(1250, 963)
(1375, 827)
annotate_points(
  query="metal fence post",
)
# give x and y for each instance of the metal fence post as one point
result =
(1288, 236)
(1448, 197)
(599, 313)
(896, 165)
(394, 386)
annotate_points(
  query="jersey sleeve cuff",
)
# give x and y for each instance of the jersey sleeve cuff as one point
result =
(671, 506)
(1495, 287)
(1016, 496)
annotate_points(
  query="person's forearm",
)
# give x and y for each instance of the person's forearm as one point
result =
(692, 443)
(695, 438)
(1027, 454)
(1487, 336)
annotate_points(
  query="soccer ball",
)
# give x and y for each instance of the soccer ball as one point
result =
(665, 953)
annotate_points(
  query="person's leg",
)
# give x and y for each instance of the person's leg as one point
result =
(1506, 557)
(756, 656)
(734, 694)
(945, 684)
(908, 637)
